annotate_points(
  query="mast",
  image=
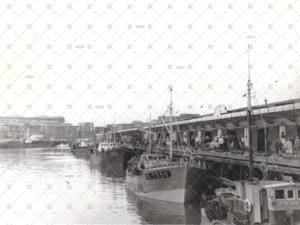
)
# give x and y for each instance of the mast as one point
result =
(28, 132)
(249, 118)
(114, 134)
(171, 127)
(150, 137)
(93, 136)
(266, 150)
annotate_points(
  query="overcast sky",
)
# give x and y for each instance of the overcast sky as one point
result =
(112, 61)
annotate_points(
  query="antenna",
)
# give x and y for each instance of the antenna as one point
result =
(249, 118)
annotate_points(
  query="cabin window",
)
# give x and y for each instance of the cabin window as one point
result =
(290, 194)
(279, 194)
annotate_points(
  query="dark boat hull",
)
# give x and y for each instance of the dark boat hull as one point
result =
(112, 162)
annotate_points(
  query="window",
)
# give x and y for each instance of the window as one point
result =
(279, 194)
(290, 194)
(298, 193)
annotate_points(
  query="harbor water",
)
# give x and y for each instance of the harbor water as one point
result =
(49, 186)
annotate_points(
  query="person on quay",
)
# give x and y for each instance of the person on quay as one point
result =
(279, 148)
(243, 143)
(221, 143)
(289, 146)
(297, 146)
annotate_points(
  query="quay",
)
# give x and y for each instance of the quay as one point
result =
(220, 141)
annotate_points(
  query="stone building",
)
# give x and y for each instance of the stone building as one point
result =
(19, 127)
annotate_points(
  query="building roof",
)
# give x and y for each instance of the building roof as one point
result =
(279, 185)
(276, 107)
(32, 117)
(18, 120)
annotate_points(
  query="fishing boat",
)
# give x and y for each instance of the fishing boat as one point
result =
(254, 202)
(112, 156)
(163, 177)
(262, 202)
(81, 147)
(110, 144)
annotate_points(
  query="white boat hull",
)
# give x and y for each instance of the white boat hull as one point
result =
(174, 184)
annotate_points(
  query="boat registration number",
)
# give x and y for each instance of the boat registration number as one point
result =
(291, 203)
(157, 175)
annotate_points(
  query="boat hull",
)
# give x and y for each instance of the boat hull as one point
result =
(174, 184)
(113, 162)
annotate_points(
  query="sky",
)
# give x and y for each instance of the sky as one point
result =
(112, 61)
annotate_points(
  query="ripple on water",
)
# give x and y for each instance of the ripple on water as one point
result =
(41, 186)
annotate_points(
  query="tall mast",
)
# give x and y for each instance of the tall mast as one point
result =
(171, 127)
(150, 136)
(114, 130)
(249, 118)
(28, 132)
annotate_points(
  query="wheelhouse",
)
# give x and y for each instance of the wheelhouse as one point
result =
(280, 203)
(282, 195)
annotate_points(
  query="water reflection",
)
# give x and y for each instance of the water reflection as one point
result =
(161, 212)
(108, 168)
(48, 186)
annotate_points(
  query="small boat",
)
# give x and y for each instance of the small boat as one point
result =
(63, 146)
(27, 141)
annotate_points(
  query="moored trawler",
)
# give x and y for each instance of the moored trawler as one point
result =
(161, 178)
(262, 202)
(112, 157)
(82, 147)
